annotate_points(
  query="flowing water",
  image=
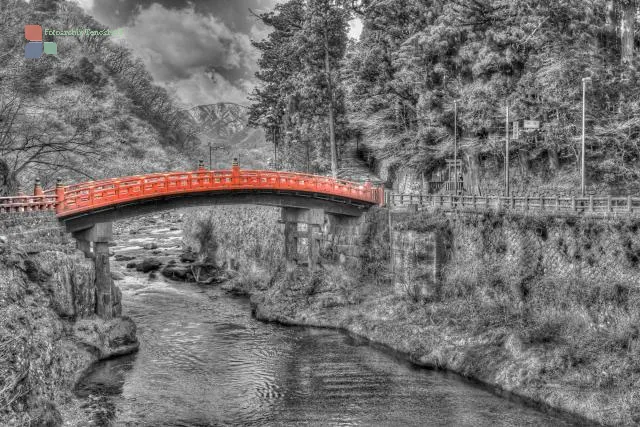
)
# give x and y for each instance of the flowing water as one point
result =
(204, 361)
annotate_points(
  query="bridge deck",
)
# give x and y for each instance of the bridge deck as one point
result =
(69, 201)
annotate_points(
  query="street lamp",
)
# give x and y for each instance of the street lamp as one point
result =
(585, 80)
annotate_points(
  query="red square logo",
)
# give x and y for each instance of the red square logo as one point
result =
(33, 33)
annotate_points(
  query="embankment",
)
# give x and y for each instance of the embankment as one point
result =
(544, 308)
(49, 335)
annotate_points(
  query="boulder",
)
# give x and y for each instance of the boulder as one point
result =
(111, 338)
(177, 272)
(120, 257)
(149, 264)
(188, 257)
(132, 264)
(150, 246)
(116, 275)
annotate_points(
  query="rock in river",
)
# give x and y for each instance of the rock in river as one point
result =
(188, 257)
(149, 264)
(177, 272)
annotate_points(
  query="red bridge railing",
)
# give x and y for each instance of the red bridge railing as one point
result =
(72, 199)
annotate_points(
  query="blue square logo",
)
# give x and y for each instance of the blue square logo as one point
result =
(33, 50)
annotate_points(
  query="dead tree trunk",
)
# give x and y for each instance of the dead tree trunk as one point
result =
(610, 15)
(8, 180)
(332, 133)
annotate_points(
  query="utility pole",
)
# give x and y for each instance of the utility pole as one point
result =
(275, 147)
(455, 144)
(506, 156)
(584, 108)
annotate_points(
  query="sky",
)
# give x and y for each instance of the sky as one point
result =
(200, 50)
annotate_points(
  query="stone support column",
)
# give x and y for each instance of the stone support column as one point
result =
(291, 217)
(100, 234)
(104, 303)
(313, 245)
(291, 244)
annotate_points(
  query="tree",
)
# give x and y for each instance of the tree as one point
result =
(300, 95)
(324, 40)
(627, 29)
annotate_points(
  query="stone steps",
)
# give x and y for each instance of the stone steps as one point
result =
(354, 168)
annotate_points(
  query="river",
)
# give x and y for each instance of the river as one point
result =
(204, 361)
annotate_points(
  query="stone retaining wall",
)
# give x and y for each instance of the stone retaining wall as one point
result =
(513, 252)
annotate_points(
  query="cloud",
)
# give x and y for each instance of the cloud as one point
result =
(201, 52)
(174, 43)
(355, 28)
(208, 88)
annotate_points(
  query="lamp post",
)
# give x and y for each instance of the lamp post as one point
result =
(585, 80)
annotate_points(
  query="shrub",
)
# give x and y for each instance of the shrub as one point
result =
(413, 292)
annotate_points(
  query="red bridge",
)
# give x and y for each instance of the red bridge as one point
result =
(81, 205)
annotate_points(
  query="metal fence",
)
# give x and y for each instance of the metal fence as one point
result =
(590, 204)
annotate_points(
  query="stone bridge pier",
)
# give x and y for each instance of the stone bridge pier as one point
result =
(313, 219)
(94, 242)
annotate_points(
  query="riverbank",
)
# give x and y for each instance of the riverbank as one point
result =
(427, 337)
(580, 359)
(49, 335)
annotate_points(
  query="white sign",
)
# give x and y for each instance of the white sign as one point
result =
(531, 124)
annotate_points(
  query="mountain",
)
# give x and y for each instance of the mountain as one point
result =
(224, 127)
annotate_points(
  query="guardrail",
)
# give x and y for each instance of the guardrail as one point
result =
(43, 202)
(67, 200)
(588, 204)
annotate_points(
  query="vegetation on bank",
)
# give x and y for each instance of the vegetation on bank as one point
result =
(245, 238)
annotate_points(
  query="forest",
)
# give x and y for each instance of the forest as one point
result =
(395, 88)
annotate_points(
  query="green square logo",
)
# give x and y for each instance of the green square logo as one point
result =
(50, 48)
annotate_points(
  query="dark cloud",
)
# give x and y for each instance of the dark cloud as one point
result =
(234, 13)
(200, 50)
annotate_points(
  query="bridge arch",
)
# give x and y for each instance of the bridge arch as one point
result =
(82, 205)
(88, 209)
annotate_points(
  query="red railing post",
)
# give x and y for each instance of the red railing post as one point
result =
(235, 172)
(368, 189)
(59, 197)
(37, 189)
(200, 174)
